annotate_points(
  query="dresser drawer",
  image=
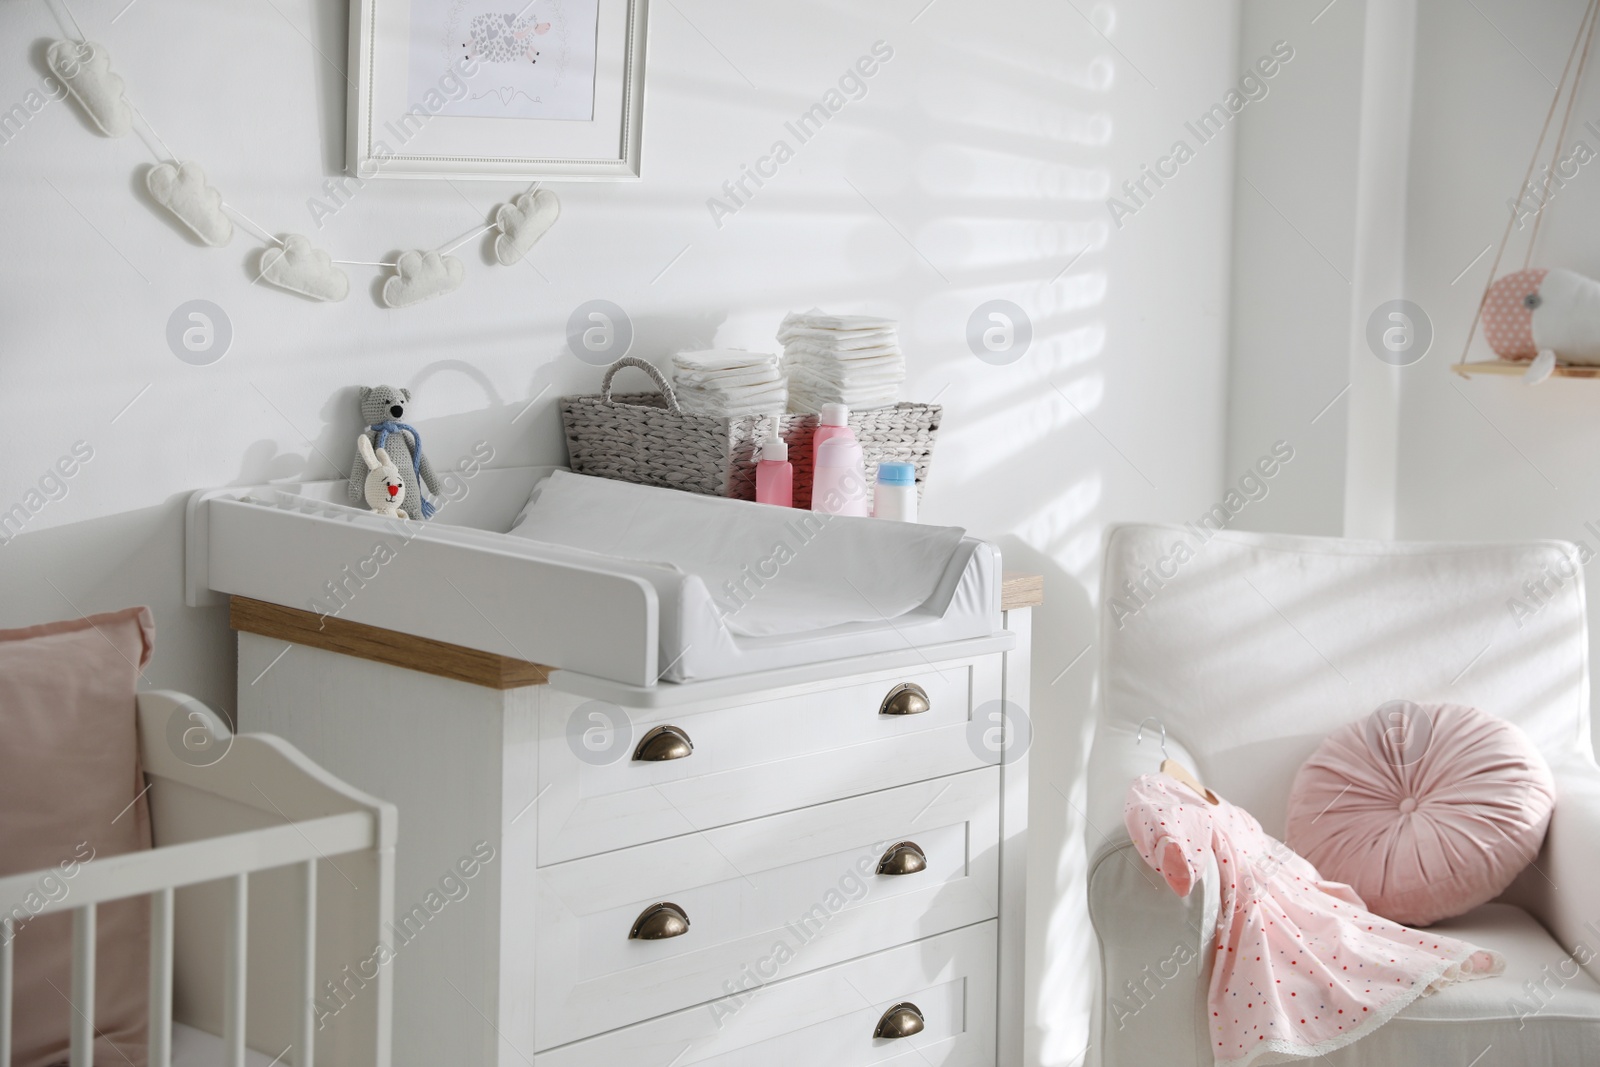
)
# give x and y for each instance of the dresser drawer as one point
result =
(827, 1018)
(791, 749)
(764, 900)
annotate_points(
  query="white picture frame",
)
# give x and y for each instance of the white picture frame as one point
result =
(402, 123)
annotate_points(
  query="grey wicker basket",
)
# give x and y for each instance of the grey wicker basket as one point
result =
(646, 438)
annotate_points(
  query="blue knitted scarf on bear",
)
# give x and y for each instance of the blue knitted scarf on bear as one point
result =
(383, 430)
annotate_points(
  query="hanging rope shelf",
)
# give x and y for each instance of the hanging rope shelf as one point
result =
(1531, 345)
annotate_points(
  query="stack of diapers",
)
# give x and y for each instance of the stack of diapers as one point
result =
(728, 383)
(841, 359)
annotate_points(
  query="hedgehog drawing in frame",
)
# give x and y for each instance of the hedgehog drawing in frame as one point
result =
(505, 38)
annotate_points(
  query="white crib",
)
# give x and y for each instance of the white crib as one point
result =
(270, 879)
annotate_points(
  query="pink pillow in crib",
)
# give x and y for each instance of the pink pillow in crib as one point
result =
(1425, 810)
(70, 790)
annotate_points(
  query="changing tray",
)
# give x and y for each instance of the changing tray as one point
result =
(460, 578)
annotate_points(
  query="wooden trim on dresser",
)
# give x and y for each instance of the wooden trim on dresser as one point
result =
(383, 646)
(1018, 590)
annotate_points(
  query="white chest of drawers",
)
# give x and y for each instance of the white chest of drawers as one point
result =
(801, 867)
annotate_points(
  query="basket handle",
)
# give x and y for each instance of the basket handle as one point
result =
(649, 368)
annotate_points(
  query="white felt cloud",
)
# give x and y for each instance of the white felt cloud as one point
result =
(421, 276)
(301, 268)
(182, 190)
(85, 69)
(522, 222)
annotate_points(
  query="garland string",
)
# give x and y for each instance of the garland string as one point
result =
(262, 231)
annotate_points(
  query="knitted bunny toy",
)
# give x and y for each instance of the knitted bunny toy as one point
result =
(382, 408)
(384, 486)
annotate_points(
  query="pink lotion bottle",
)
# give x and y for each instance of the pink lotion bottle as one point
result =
(834, 421)
(839, 484)
(775, 474)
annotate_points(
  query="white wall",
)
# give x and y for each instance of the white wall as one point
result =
(1293, 260)
(1491, 458)
(1318, 243)
(983, 154)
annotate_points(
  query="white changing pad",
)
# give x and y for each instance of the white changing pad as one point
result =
(771, 571)
(747, 587)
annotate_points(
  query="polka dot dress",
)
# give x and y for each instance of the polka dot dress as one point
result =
(1299, 966)
(1507, 319)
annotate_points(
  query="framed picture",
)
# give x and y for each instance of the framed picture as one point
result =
(511, 89)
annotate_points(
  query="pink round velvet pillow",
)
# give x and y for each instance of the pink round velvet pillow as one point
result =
(1425, 810)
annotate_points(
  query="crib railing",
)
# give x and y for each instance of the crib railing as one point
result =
(282, 779)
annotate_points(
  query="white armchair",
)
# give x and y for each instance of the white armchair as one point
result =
(1251, 649)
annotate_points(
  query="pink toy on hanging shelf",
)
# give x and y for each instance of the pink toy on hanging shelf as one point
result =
(1544, 315)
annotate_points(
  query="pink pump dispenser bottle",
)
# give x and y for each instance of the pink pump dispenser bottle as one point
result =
(775, 474)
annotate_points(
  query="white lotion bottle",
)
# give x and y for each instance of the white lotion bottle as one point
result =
(839, 481)
(895, 494)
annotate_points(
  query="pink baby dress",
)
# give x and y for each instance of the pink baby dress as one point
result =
(1301, 967)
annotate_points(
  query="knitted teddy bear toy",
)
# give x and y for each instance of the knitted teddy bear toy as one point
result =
(382, 408)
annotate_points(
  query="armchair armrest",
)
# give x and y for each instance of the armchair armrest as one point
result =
(1559, 888)
(1155, 963)
(1155, 948)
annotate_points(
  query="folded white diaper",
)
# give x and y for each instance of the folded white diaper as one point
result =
(817, 319)
(854, 360)
(838, 340)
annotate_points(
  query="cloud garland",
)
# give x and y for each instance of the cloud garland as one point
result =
(301, 268)
(184, 191)
(522, 222)
(292, 263)
(85, 69)
(422, 276)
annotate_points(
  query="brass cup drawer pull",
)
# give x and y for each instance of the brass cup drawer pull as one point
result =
(902, 1020)
(659, 921)
(907, 698)
(663, 743)
(906, 857)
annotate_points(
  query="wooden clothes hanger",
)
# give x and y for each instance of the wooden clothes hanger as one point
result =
(1171, 767)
